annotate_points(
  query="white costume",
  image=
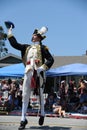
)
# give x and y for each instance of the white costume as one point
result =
(32, 56)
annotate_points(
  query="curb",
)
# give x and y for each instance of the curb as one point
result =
(75, 116)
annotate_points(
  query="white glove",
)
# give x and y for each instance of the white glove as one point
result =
(10, 31)
(41, 68)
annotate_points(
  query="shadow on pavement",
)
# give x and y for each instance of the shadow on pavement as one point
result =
(49, 128)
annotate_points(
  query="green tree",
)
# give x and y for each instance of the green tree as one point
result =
(3, 37)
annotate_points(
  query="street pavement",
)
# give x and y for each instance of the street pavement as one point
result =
(10, 122)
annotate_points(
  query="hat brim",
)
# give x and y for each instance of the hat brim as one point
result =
(42, 37)
(38, 34)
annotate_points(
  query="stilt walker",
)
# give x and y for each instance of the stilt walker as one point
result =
(37, 59)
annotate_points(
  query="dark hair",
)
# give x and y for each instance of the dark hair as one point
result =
(82, 80)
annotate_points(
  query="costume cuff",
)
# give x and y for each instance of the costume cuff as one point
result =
(45, 67)
(10, 35)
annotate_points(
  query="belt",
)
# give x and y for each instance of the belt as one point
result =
(36, 62)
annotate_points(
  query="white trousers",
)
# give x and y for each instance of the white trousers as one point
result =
(26, 95)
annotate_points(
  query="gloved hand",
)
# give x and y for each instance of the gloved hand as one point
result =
(41, 68)
(10, 31)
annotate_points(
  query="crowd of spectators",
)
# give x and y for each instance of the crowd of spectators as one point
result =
(69, 97)
(11, 94)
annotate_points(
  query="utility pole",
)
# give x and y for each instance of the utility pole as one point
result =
(3, 49)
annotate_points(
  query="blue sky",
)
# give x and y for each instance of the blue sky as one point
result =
(66, 21)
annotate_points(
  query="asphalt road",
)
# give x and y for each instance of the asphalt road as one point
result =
(50, 123)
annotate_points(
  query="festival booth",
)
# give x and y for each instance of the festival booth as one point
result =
(71, 69)
(67, 72)
(76, 69)
(16, 70)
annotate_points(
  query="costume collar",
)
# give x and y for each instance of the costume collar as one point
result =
(35, 43)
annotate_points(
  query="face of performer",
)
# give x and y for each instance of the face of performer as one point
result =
(36, 38)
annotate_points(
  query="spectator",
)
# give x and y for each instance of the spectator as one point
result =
(57, 108)
(4, 85)
(13, 101)
(82, 86)
(61, 91)
(83, 100)
(49, 102)
(72, 85)
(83, 97)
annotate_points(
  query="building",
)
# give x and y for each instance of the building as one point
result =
(9, 59)
(65, 60)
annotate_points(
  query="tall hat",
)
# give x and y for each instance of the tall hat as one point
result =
(41, 32)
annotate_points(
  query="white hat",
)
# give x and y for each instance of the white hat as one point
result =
(41, 32)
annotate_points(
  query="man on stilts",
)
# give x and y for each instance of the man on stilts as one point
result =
(37, 59)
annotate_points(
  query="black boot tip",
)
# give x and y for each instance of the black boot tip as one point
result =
(41, 120)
